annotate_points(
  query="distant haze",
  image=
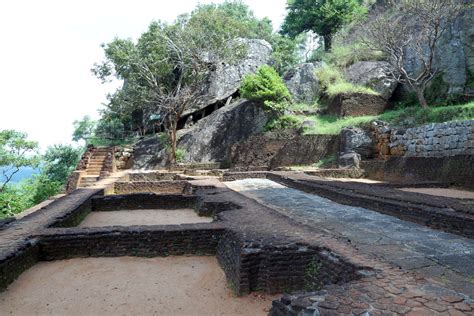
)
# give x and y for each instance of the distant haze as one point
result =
(49, 47)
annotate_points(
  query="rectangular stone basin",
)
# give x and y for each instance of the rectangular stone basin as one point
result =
(143, 217)
(128, 286)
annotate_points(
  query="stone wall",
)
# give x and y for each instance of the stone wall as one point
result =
(144, 241)
(139, 201)
(161, 187)
(251, 266)
(269, 152)
(455, 170)
(432, 140)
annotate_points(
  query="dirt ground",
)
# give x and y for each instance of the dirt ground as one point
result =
(128, 286)
(143, 217)
(454, 193)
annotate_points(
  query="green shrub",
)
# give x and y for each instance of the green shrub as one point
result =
(265, 85)
(180, 153)
(283, 122)
(333, 82)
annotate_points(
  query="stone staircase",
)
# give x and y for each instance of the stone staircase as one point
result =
(94, 167)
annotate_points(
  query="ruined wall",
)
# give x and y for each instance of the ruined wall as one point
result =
(432, 140)
(160, 187)
(269, 152)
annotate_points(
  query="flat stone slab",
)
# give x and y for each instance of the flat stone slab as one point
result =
(373, 233)
(143, 217)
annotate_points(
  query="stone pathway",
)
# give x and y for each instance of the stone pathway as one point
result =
(436, 255)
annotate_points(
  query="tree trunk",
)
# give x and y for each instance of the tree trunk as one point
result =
(173, 127)
(327, 42)
(420, 94)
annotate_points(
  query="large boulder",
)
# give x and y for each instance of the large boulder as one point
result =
(455, 58)
(303, 83)
(373, 74)
(226, 79)
(358, 140)
(209, 139)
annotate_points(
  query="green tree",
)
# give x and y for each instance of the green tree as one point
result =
(164, 72)
(83, 129)
(60, 161)
(266, 86)
(323, 17)
(16, 152)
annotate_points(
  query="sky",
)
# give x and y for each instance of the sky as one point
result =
(48, 47)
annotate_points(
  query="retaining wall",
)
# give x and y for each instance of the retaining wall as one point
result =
(432, 140)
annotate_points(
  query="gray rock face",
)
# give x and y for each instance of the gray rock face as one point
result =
(374, 75)
(303, 83)
(455, 56)
(208, 140)
(349, 160)
(226, 79)
(357, 140)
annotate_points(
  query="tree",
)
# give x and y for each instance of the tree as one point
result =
(60, 161)
(410, 32)
(83, 129)
(15, 152)
(165, 71)
(323, 17)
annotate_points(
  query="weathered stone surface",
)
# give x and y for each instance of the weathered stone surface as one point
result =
(303, 83)
(356, 104)
(349, 160)
(208, 139)
(431, 140)
(226, 79)
(455, 57)
(374, 75)
(358, 140)
(272, 152)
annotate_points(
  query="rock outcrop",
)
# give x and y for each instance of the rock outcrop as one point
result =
(374, 75)
(357, 140)
(303, 83)
(209, 139)
(226, 79)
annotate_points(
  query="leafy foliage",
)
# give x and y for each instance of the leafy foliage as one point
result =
(283, 122)
(15, 152)
(60, 161)
(83, 129)
(265, 85)
(324, 17)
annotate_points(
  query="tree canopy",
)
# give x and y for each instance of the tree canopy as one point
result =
(323, 17)
(16, 151)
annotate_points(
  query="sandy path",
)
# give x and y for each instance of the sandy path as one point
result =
(143, 217)
(453, 193)
(128, 286)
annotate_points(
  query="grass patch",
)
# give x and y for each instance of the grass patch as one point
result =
(333, 83)
(346, 87)
(401, 117)
(416, 116)
(331, 125)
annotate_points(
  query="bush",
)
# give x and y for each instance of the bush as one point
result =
(333, 82)
(283, 122)
(265, 85)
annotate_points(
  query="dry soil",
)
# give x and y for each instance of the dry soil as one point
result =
(128, 286)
